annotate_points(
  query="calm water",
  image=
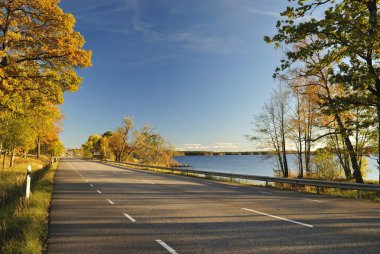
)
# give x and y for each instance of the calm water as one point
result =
(249, 164)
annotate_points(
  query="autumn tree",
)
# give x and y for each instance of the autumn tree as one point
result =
(55, 148)
(347, 33)
(45, 121)
(303, 120)
(39, 50)
(152, 148)
(93, 144)
(140, 140)
(118, 142)
(105, 150)
(145, 146)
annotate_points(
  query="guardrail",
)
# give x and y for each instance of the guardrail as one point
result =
(295, 181)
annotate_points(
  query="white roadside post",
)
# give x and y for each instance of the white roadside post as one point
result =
(28, 182)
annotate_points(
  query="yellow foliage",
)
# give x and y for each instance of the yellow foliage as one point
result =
(38, 53)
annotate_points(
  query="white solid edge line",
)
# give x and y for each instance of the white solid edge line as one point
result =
(110, 201)
(147, 182)
(98, 191)
(129, 217)
(266, 192)
(280, 218)
(167, 247)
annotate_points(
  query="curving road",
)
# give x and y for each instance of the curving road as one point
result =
(99, 208)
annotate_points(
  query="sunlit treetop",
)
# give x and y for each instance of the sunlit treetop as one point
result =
(39, 51)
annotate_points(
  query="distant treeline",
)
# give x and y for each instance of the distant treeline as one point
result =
(210, 153)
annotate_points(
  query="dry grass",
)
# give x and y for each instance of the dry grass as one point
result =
(23, 225)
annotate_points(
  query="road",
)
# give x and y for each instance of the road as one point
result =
(99, 208)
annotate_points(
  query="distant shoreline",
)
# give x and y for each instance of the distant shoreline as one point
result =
(210, 153)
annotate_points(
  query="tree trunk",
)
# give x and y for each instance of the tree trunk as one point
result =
(307, 156)
(286, 169)
(373, 21)
(280, 162)
(351, 151)
(38, 147)
(300, 162)
(342, 156)
(378, 134)
(299, 141)
(4, 156)
(12, 157)
(285, 161)
(378, 124)
(308, 147)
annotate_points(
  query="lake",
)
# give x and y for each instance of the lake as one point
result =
(262, 165)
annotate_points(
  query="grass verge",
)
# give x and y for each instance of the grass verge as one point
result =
(24, 224)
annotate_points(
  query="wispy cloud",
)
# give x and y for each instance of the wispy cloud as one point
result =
(141, 26)
(183, 37)
(208, 43)
(254, 7)
(188, 39)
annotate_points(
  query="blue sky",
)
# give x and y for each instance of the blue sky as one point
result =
(196, 70)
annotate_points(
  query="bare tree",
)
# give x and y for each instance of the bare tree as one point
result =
(273, 124)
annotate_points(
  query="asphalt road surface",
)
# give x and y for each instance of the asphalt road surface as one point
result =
(98, 208)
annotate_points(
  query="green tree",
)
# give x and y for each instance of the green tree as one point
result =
(325, 165)
(17, 134)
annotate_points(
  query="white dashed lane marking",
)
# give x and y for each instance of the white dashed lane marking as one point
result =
(167, 247)
(129, 217)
